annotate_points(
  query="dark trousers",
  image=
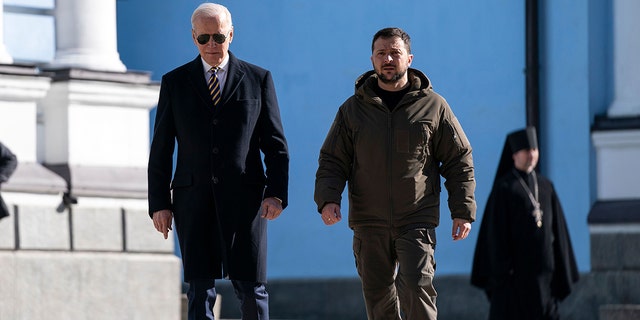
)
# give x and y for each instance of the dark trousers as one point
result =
(253, 296)
(396, 270)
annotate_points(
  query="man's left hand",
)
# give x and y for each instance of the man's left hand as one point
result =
(271, 208)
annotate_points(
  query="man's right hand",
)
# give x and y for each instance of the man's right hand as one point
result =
(162, 221)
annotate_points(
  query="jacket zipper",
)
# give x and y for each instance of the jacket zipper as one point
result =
(390, 163)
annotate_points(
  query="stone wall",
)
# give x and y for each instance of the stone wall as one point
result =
(597, 296)
(88, 262)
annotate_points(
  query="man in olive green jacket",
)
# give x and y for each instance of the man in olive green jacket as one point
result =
(391, 141)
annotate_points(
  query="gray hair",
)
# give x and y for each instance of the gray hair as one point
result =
(210, 10)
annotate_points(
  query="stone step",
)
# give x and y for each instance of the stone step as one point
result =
(619, 312)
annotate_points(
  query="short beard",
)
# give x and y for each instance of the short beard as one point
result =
(393, 79)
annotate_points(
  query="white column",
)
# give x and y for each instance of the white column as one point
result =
(626, 58)
(86, 35)
(4, 55)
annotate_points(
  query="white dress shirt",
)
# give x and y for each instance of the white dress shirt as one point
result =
(222, 72)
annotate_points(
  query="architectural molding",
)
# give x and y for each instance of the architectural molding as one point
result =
(615, 214)
(617, 154)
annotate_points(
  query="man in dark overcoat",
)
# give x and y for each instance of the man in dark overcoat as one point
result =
(223, 114)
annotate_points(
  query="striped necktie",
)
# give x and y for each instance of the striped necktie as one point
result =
(214, 86)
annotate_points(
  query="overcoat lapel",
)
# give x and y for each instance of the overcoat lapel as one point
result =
(234, 78)
(197, 78)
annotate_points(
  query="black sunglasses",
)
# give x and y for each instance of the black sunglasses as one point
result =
(217, 38)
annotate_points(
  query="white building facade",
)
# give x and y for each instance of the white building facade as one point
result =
(79, 243)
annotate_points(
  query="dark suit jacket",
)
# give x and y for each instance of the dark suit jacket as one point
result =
(8, 164)
(219, 179)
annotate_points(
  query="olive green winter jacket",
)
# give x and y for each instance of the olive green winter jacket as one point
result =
(393, 160)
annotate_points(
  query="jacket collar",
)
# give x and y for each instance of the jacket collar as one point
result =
(417, 79)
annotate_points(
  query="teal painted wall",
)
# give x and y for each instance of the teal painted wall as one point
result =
(473, 51)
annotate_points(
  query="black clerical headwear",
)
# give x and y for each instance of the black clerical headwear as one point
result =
(517, 140)
(522, 139)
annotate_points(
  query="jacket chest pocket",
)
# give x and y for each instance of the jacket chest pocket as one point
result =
(416, 140)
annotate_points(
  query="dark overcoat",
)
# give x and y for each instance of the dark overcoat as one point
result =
(220, 178)
(8, 164)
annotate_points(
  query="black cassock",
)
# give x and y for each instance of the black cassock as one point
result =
(524, 269)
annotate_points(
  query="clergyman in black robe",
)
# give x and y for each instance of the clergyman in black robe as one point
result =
(523, 258)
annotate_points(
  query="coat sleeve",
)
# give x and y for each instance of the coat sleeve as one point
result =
(453, 151)
(273, 144)
(492, 260)
(481, 267)
(160, 167)
(565, 273)
(334, 164)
